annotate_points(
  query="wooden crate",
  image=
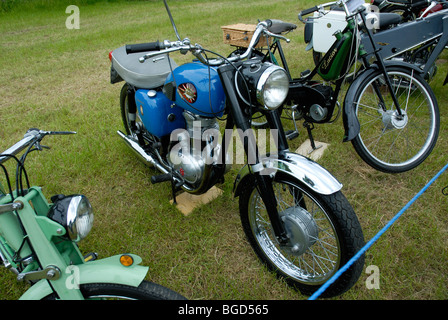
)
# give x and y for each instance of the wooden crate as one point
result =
(240, 35)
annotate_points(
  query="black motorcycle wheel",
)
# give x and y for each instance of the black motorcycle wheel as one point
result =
(387, 142)
(324, 234)
(111, 291)
(130, 125)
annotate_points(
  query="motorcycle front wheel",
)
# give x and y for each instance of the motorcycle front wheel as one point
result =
(323, 230)
(389, 142)
(111, 291)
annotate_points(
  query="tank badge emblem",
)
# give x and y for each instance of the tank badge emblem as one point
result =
(188, 92)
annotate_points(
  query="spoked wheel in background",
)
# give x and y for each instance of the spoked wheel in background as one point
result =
(387, 141)
(129, 114)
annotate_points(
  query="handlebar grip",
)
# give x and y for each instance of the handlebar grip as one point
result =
(143, 47)
(308, 11)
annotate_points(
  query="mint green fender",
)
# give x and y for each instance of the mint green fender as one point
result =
(107, 270)
(304, 169)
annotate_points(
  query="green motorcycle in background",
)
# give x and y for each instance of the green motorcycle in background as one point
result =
(38, 242)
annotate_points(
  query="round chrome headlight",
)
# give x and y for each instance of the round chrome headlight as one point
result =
(79, 218)
(75, 214)
(272, 87)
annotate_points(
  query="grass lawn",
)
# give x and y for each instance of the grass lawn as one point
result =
(55, 78)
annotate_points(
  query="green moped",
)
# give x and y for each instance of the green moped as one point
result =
(38, 241)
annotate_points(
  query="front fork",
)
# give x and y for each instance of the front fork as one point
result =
(263, 182)
(382, 67)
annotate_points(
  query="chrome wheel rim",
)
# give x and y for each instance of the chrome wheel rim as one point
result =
(316, 260)
(390, 140)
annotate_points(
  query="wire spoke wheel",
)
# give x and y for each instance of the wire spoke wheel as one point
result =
(310, 259)
(320, 233)
(388, 141)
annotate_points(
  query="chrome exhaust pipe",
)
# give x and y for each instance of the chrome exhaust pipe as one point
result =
(142, 155)
(146, 158)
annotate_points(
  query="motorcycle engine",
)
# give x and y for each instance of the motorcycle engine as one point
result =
(195, 148)
(314, 101)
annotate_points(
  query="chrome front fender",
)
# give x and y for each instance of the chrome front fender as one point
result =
(107, 270)
(307, 171)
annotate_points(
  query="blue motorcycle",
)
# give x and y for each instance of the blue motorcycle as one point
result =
(292, 210)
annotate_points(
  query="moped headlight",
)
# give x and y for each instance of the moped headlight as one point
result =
(75, 213)
(272, 87)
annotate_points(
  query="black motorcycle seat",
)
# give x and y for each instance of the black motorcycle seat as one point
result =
(383, 20)
(149, 74)
(278, 26)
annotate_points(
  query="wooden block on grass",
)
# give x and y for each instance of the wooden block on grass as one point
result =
(306, 150)
(187, 202)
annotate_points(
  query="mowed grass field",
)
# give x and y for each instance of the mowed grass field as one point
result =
(55, 78)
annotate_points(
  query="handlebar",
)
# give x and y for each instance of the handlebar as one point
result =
(348, 6)
(270, 28)
(316, 8)
(143, 47)
(30, 137)
(308, 11)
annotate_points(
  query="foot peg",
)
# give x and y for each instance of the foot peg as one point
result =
(291, 134)
(161, 178)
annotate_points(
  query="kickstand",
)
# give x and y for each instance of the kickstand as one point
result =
(173, 190)
(168, 177)
(309, 127)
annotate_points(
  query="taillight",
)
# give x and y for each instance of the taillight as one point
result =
(110, 56)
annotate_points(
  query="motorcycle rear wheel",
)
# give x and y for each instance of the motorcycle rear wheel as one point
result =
(386, 142)
(111, 291)
(130, 124)
(323, 230)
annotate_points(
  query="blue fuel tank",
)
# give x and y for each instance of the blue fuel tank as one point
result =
(159, 114)
(198, 89)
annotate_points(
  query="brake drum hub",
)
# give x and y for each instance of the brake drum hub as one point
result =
(391, 120)
(301, 230)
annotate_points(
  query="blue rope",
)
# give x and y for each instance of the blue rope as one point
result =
(375, 238)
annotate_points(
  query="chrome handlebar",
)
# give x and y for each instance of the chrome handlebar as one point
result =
(349, 7)
(31, 136)
(185, 46)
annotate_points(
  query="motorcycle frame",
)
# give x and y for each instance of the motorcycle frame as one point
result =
(301, 168)
(386, 39)
(276, 46)
(38, 230)
(51, 262)
(428, 31)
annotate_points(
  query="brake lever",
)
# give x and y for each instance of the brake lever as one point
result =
(43, 133)
(170, 46)
(269, 33)
(40, 146)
